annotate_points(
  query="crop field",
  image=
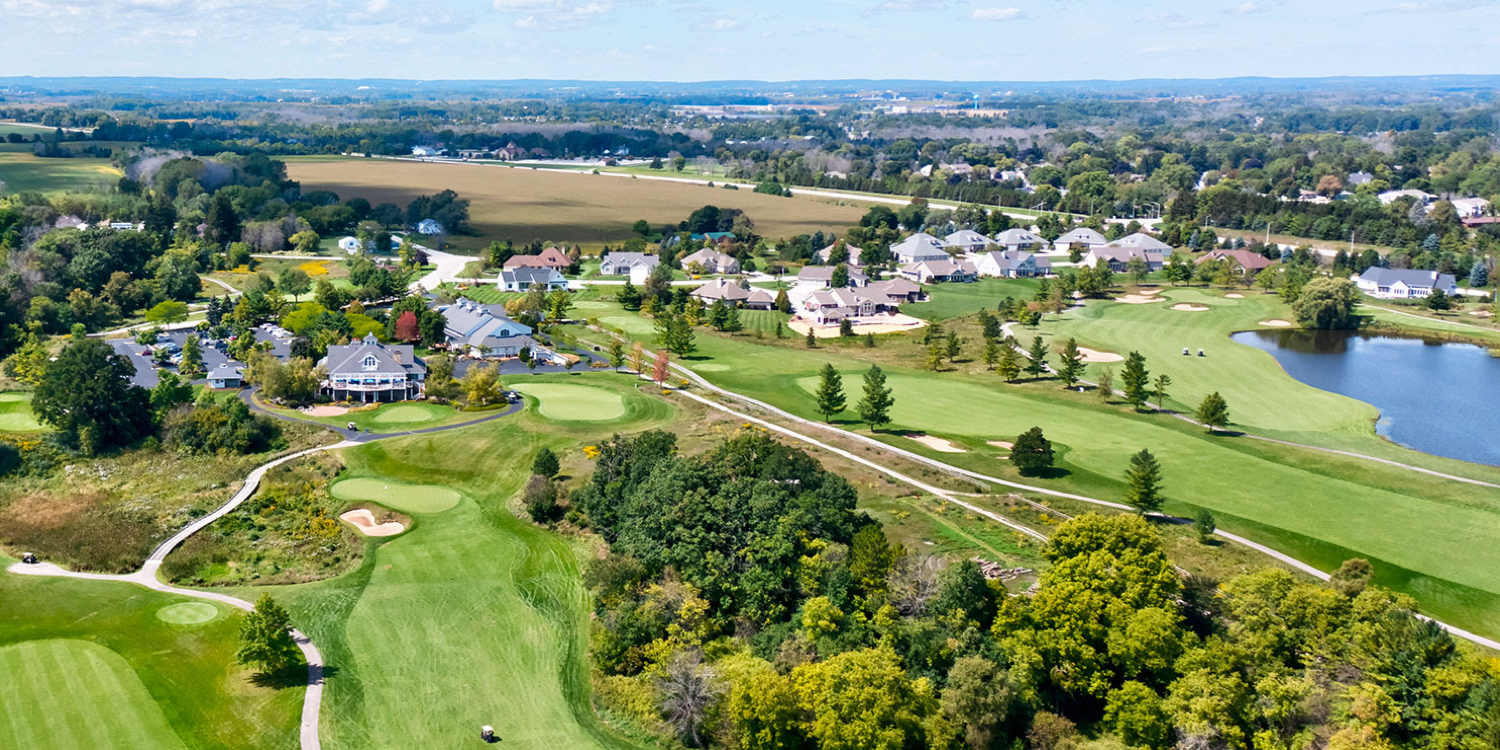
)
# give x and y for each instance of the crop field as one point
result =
(560, 206)
(21, 171)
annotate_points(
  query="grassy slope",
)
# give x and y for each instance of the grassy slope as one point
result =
(475, 616)
(1316, 504)
(96, 635)
(437, 415)
(15, 413)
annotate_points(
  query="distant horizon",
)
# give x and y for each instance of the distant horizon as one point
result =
(775, 40)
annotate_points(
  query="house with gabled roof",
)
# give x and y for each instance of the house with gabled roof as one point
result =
(1404, 283)
(712, 261)
(967, 241)
(1017, 239)
(919, 247)
(827, 306)
(938, 271)
(484, 329)
(1249, 263)
(1007, 264)
(1082, 238)
(823, 276)
(548, 258)
(524, 279)
(623, 263)
(826, 254)
(369, 372)
(892, 293)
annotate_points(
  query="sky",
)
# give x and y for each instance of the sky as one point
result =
(687, 40)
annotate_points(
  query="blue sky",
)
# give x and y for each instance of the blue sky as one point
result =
(769, 39)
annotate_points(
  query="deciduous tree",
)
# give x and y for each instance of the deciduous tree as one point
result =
(265, 640)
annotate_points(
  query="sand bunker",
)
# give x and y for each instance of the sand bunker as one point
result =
(1482, 314)
(1138, 299)
(938, 444)
(877, 325)
(1277, 323)
(1096, 357)
(364, 520)
(1234, 296)
(326, 411)
(1189, 307)
(1001, 444)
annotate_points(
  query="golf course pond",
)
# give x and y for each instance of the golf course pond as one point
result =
(1433, 396)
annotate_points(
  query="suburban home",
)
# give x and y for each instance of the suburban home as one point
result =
(1470, 208)
(511, 152)
(919, 247)
(721, 289)
(549, 258)
(892, 293)
(1118, 258)
(429, 226)
(827, 306)
(226, 375)
(759, 299)
(1082, 238)
(967, 241)
(484, 329)
(711, 261)
(523, 279)
(369, 371)
(1011, 265)
(1398, 283)
(936, 271)
(1249, 263)
(854, 253)
(1391, 196)
(1355, 179)
(717, 238)
(350, 245)
(1016, 239)
(1144, 242)
(622, 263)
(424, 151)
(823, 276)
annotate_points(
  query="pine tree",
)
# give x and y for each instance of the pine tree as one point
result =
(869, 341)
(783, 302)
(990, 354)
(875, 407)
(1010, 361)
(1106, 387)
(1205, 525)
(830, 393)
(1036, 364)
(1143, 482)
(935, 352)
(846, 328)
(1163, 382)
(953, 346)
(1070, 363)
(780, 330)
(1213, 412)
(812, 339)
(732, 322)
(1479, 274)
(1032, 453)
(192, 359)
(1136, 380)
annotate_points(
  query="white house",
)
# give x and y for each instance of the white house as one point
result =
(919, 247)
(1397, 283)
(826, 253)
(524, 279)
(624, 264)
(1391, 196)
(350, 245)
(1083, 238)
(712, 261)
(1017, 239)
(967, 241)
(937, 271)
(424, 151)
(1009, 265)
(429, 226)
(1469, 208)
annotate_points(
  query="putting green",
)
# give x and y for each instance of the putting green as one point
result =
(77, 694)
(408, 498)
(15, 413)
(403, 414)
(575, 403)
(188, 613)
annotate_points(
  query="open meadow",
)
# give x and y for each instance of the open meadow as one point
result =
(22, 171)
(559, 206)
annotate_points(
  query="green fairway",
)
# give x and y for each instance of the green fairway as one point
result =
(629, 323)
(68, 694)
(575, 403)
(188, 613)
(474, 616)
(952, 300)
(407, 498)
(15, 413)
(406, 413)
(397, 416)
(92, 664)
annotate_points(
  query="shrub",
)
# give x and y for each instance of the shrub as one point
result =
(224, 427)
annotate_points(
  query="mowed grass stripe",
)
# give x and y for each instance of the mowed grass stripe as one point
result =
(69, 694)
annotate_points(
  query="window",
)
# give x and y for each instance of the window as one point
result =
(369, 363)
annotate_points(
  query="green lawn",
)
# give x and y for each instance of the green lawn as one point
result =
(93, 664)
(952, 300)
(1314, 504)
(568, 402)
(24, 172)
(407, 498)
(399, 416)
(474, 616)
(15, 413)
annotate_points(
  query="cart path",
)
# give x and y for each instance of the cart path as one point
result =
(958, 471)
(312, 700)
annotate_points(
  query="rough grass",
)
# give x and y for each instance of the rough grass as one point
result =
(89, 664)
(575, 403)
(16, 415)
(556, 206)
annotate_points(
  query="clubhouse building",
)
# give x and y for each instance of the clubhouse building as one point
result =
(371, 372)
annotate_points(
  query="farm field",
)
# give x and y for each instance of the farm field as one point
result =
(22, 172)
(1318, 505)
(560, 206)
(103, 668)
(15, 413)
(472, 617)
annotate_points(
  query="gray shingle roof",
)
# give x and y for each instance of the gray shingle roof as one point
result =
(393, 359)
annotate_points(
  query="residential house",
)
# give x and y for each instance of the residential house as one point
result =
(1249, 263)
(548, 258)
(429, 227)
(1118, 258)
(1082, 238)
(966, 241)
(711, 261)
(1470, 208)
(721, 289)
(1017, 239)
(1144, 242)
(826, 253)
(1397, 283)
(350, 245)
(827, 306)
(937, 271)
(1356, 179)
(892, 293)
(369, 371)
(511, 152)
(759, 299)
(524, 279)
(622, 263)
(717, 238)
(823, 276)
(424, 151)
(1391, 196)
(919, 247)
(226, 375)
(1010, 265)
(485, 329)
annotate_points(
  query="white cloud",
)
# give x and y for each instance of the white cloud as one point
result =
(900, 6)
(718, 24)
(376, 6)
(996, 14)
(1174, 21)
(1246, 8)
(548, 15)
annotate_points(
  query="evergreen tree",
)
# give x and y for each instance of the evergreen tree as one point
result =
(732, 322)
(191, 365)
(846, 328)
(869, 341)
(1213, 412)
(830, 393)
(1070, 363)
(1036, 364)
(1479, 274)
(1009, 366)
(990, 354)
(1136, 380)
(875, 407)
(1032, 453)
(935, 352)
(1106, 387)
(783, 302)
(629, 297)
(1143, 482)
(1163, 382)
(952, 346)
(265, 642)
(812, 339)
(1205, 524)
(546, 463)
(780, 330)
